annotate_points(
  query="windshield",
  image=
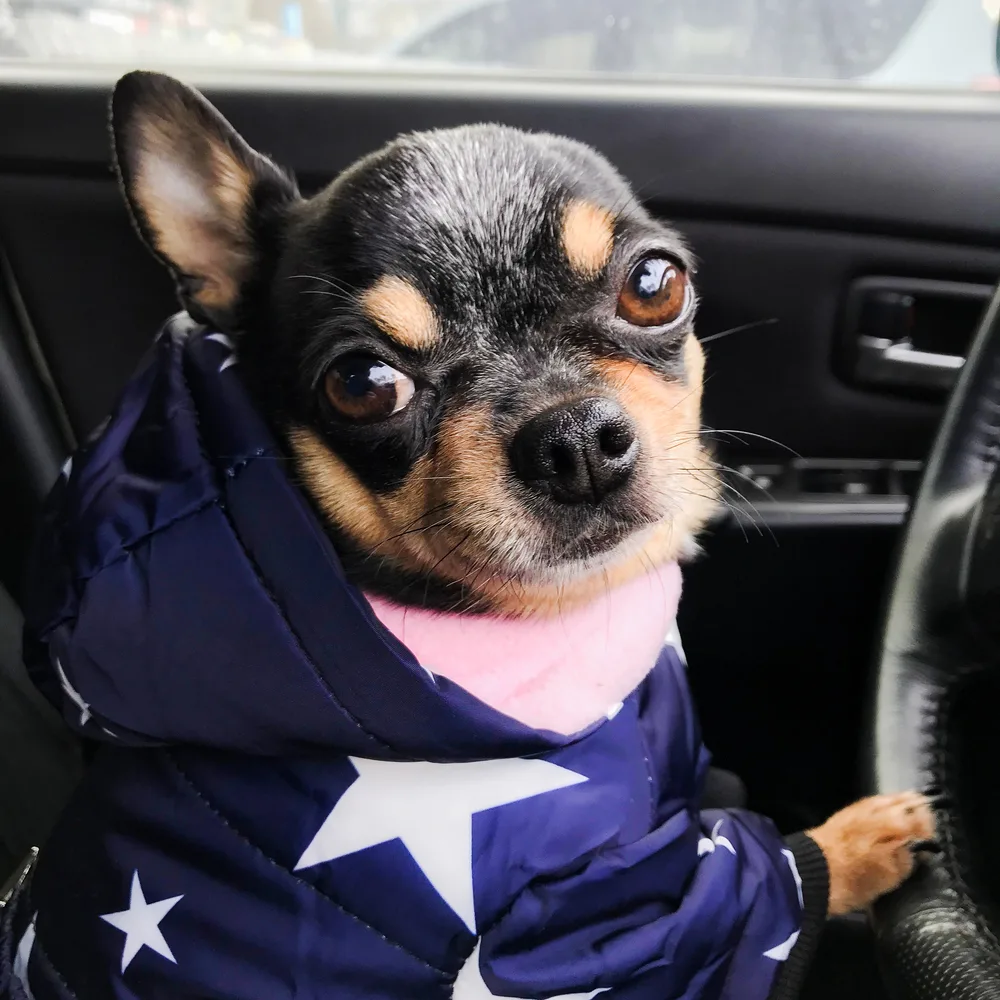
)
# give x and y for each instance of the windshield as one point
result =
(896, 43)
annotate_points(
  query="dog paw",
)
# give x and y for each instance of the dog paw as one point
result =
(870, 845)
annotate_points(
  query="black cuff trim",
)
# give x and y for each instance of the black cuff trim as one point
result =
(812, 868)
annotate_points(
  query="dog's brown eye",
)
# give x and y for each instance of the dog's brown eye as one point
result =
(364, 389)
(655, 293)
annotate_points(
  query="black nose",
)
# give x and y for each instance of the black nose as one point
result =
(579, 452)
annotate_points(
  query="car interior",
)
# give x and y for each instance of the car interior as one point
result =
(848, 242)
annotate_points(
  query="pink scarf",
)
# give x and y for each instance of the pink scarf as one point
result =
(562, 673)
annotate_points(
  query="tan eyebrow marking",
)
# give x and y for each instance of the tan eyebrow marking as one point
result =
(588, 235)
(401, 312)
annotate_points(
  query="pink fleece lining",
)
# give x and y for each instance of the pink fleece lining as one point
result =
(560, 674)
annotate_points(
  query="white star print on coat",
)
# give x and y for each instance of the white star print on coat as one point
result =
(221, 338)
(73, 695)
(429, 807)
(19, 969)
(141, 924)
(781, 952)
(707, 845)
(470, 986)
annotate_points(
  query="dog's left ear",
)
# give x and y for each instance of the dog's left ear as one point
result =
(201, 198)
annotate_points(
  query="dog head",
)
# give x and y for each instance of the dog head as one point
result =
(476, 344)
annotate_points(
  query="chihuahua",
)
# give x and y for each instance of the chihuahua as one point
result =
(476, 349)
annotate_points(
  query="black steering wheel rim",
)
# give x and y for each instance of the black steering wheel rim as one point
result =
(938, 934)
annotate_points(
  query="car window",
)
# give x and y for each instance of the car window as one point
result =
(896, 43)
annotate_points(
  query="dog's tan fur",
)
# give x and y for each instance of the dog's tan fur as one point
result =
(588, 237)
(401, 312)
(868, 847)
(667, 414)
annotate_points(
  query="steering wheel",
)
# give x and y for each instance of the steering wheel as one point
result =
(937, 704)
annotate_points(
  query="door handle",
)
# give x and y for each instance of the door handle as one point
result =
(899, 363)
(912, 333)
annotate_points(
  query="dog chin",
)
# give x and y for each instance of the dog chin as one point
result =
(616, 554)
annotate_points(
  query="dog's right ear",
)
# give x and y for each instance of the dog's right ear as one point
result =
(200, 197)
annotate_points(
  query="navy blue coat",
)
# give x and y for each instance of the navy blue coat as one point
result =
(285, 805)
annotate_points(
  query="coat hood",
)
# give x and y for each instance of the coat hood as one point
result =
(184, 591)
